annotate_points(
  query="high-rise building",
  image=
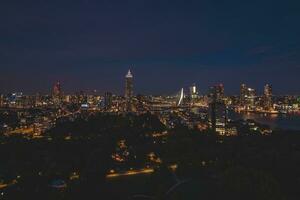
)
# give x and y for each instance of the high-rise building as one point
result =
(251, 96)
(217, 110)
(193, 92)
(128, 91)
(247, 97)
(217, 114)
(217, 117)
(268, 97)
(216, 92)
(56, 93)
(243, 94)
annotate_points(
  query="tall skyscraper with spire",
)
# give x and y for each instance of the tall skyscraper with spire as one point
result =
(129, 90)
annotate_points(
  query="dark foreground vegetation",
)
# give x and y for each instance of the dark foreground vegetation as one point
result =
(73, 159)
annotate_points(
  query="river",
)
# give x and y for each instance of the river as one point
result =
(281, 121)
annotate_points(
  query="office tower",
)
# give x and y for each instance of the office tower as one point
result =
(107, 100)
(247, 97)
(56, 93)
(128, 91)
(193, 92)
(251, 95)
(217, 113)
(243, 94)
(268, 97)
(217, 117)
(216, 92)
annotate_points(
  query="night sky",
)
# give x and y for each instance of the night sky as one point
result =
(90, 44)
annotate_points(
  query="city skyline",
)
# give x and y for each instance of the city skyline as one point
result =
(149, 99)
(174, 43)
(56, 89)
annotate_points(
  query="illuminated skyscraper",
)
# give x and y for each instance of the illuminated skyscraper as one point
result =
(128, 91)
(247, 97)
(268, 97)
(217, 114)
(243, 94)
(193, 92)
(56, 93)
(251, 96)
(217, 117)
(216, 92)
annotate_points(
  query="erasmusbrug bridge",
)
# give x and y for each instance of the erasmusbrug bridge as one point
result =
(180, 97)
(182, 101)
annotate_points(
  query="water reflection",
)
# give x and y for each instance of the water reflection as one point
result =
(282, 121)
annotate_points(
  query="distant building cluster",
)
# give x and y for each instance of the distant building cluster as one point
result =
(36, 113)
